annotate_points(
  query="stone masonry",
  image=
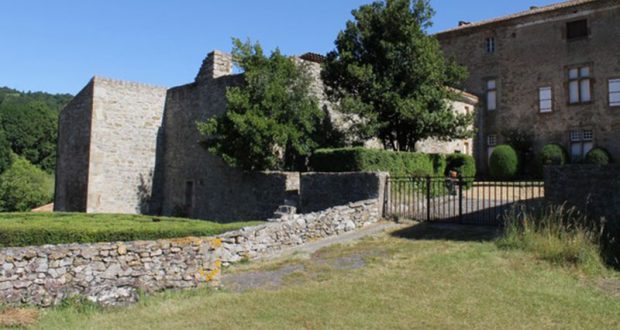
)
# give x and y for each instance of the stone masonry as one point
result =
(131, 148)
(106, 273)
(530, 50)
(114, 273)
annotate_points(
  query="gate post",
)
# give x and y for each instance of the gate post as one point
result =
(461, 198)
(428, 198)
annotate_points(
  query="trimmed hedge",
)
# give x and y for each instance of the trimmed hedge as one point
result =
(598, 156)
(26, 229)
(396, 163)
(553, 154)
(504, 163)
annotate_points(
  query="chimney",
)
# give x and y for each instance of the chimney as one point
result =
(217, 64)
(463, 23)
(533, 7)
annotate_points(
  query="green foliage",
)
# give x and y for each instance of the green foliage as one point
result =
(553, 154)
(272, 121)
(31, 129)
(24, 186)
(463, 164)
(557, 234)
(504, 163)
(598, 156)
(389, 75)
(25, 229)
(362, 159)
(6, 157)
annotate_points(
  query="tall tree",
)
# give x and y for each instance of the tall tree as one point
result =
(392, 78)
(272, 122)
(31, 129)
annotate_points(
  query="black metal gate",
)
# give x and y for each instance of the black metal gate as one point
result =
(459, 200)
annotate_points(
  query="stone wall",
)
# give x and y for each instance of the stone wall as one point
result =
(319, 191)
(74, 136)
(106, 273)
(297, 229)
(107, 147)
(532, 52)
(125, 125)
(198, 184)
(591, 188)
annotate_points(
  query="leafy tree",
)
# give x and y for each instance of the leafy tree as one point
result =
(387, 72)
(24, 186)
(5, 152)
(272, 121)
(31, 129)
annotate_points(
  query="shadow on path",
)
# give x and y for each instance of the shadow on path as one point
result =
(449, 232)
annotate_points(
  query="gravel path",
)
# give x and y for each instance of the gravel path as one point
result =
(273, 279)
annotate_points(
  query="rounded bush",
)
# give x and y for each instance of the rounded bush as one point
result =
(553, 154)
(598, 156)
(504, 163)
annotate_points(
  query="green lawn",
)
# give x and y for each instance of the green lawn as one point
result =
(425, 278)
(24, 229)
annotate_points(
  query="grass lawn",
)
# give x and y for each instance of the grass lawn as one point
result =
(420, 278)
(24, 229)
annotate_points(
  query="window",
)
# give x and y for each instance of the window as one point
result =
(467, 148)
(577, 29)
(581, 142)
(545, 99)
(491, 95)
(490, 45)
(579, 85)
(614, 92)
(491, 143)
(492, 140)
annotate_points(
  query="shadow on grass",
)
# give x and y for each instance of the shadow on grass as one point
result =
(449, 232)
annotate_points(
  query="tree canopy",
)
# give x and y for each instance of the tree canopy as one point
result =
(29, 122)
(391, 77)
(272, 122)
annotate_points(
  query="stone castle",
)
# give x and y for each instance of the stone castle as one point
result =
(131, 148)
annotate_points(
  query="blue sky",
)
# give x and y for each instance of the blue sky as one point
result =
(57, 45)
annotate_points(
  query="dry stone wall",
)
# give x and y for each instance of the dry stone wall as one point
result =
(106, 273)
(297, 229)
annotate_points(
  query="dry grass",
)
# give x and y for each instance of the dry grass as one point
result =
(18, 317)
(422, 278)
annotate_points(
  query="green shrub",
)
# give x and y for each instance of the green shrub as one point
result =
(24, 186)
(553, 154)
(463, 164)
(504, 163)
(556, 234)
(362, 159)
(598, 156)
(26, 229)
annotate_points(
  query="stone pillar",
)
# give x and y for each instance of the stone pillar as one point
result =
(215, 65)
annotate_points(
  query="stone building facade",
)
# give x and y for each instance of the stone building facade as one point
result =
(551, 72)
(132, 148)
